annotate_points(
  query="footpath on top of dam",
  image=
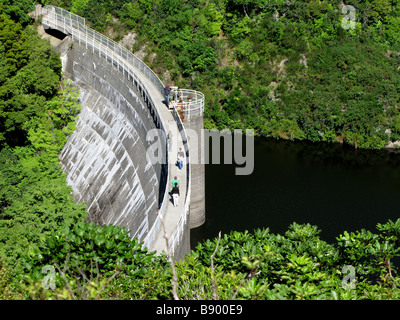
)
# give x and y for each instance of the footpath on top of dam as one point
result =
(172, 213)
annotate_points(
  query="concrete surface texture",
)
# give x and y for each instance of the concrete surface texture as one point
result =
(105, 159)
(197, 197)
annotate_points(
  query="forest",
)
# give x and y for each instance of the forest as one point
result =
(288, 69)
(37, 114)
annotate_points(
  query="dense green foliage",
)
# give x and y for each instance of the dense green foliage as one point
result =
(89, 252)
(18, 10)
(103, 263)
(30, 71)
(301, 266)
(36, 117)
(287, 69)
(109, 248)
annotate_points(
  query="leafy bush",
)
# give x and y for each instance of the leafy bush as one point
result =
(7, 292)
(87, 251)
(301, 266)
(86, 245)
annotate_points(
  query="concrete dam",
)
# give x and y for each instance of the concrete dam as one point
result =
(107, 160)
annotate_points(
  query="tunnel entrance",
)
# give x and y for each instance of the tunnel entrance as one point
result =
(55, 33)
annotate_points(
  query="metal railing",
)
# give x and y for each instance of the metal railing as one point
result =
(188, 102)
(120, 57)
(126, 62)
(177, 233)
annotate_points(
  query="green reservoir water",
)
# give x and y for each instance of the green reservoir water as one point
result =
(332, 186)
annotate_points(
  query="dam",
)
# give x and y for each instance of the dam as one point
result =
(107, 160)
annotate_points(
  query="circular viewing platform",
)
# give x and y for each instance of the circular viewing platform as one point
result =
(186, 102)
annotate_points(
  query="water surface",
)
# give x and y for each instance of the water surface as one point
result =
(332, 186)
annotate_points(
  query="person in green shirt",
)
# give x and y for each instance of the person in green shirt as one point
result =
(174, 181)
(175, 195)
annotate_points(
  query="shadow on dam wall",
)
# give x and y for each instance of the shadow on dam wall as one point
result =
(105, 159)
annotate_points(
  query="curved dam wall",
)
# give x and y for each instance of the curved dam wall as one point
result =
(105, 159)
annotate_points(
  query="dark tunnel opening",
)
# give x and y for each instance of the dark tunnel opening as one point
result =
(55, 33)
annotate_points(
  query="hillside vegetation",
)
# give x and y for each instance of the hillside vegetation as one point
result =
(36, 117)
(287, 69)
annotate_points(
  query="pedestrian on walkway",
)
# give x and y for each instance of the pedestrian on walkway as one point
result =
(173, 182)
(169, 137)
(167, 92)
(175, 195)
(180, 156)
